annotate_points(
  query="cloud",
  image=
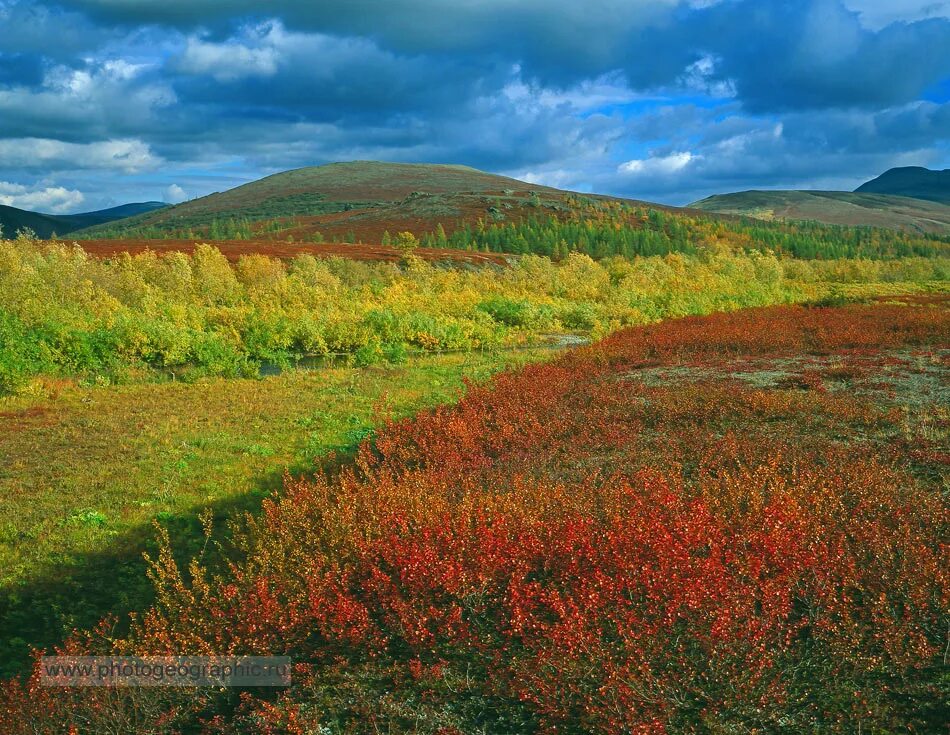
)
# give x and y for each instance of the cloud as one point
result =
(174, 194)
(229, 61)
(809, 150)
(876, 14)
(53, 200)
(20, 68)
(657, 165)
(30, 28)
(814, 53)
(817, 54)
(650, 98)
(96, 100)
(127, 156)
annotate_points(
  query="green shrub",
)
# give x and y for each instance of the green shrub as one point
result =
(217, 356)
(507, 311)
(369, 354)
(395, 353)
(579, 316)
(65, 313)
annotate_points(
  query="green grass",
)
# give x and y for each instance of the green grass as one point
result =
(85, 473)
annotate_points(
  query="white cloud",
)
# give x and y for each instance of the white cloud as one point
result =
(699, 78)
(558, 178)
(84, 82)
(658, 165)
(174, 194)
(255, 56)
(128, 156)
(875, 14)
(607, 89)
(95, 102)
(52, 199)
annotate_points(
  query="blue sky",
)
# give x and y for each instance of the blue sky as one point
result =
(108, 101)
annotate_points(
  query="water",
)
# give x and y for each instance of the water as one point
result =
(341, 359)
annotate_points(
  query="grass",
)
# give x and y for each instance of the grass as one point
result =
(85, 472)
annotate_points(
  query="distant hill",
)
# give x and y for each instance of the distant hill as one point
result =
(13, 219)
(362, 198)
(911, 181)
(361, 201)
(122, 211)
(835, 207)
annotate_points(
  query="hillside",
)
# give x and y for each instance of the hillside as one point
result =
(13, 219)
(366, 204)
(359, 200)
(835, 207)
(911, 181)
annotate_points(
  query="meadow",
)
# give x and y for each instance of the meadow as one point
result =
(85, 470)
(714, 524)
(149, 401)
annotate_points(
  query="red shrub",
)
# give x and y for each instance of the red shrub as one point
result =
(570, 550)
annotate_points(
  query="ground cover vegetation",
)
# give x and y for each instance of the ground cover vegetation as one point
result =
(732, 523)
(86, 469)
(65, 313)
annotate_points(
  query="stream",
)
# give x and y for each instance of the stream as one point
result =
(338, 359)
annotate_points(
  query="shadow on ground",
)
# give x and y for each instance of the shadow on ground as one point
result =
(41, 611)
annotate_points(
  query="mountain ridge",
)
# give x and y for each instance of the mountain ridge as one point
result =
(364, 199)
(13, 219)
(834, 207)
(911, 181)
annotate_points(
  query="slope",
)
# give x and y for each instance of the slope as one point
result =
(362, 198)
(911, 181)
(835, 207)
(13, 219)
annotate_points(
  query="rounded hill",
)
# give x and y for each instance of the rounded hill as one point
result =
(326, 190)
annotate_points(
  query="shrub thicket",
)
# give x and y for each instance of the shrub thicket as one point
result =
(575, 548)
(64, 312)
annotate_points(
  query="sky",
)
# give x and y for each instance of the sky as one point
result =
(104, 102)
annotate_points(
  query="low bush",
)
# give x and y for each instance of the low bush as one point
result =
(69, 314)
(574, 548)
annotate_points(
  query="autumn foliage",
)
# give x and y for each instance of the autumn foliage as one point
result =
(631, 539)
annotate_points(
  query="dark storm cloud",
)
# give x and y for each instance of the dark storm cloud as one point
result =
(787, 56)
(781, 54)
(53, 31)
(310, 76)
(663, 98)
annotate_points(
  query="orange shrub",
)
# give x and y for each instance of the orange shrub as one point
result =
(573, 548)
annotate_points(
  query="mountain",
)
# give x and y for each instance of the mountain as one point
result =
(835, 207)
(13, 219)
(362, 199)
(911, 181)
(122, 211)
